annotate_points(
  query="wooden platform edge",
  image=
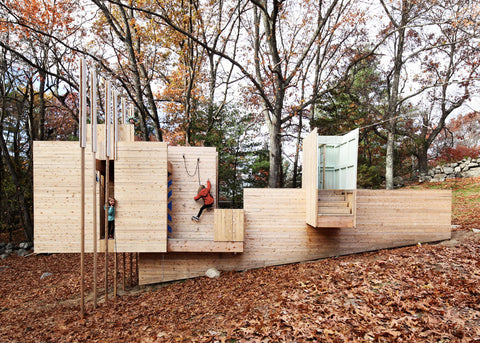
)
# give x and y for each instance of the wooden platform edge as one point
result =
(182, 245)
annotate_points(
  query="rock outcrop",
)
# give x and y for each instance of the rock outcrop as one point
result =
(468, 167)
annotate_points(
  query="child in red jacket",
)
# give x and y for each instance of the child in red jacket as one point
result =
(204, 193)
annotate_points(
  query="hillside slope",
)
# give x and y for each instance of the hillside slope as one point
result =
(419, 293)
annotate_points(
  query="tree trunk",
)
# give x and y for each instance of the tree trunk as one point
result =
(389, 161)
(297, 150)
(394, 94)
(422, 157)
(41, 112)
(28, 226)
(275, 153)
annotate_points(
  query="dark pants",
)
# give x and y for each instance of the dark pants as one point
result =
(202, 208)
(111, 228)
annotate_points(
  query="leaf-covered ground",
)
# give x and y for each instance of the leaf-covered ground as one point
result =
(423, 293)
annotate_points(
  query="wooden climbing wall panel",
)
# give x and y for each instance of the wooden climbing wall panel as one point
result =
(185, 183)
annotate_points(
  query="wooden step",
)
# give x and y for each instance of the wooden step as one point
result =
(334, 210)
(331, 192)
(336, 221)
(333, 203)
(331, 198)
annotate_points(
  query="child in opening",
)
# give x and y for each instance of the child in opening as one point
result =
(204, 193)
(111, 217)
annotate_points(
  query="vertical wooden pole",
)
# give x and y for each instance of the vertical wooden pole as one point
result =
(131, 269)
(93, 104)
(124, 270)
(136, 267)
(82, 132)
(115, 121)
(123, 120)
(115, 275)
(115, 139)
(107, 176)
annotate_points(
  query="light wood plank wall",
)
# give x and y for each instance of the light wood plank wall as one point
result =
(141, 194)
(184, 189)
(229, 225)
(57, 197)
(310, 177)
(142, 164)
(276, 233)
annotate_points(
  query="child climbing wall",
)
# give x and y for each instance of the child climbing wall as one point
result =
(204, 193)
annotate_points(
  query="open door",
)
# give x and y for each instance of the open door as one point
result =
(329, 179)
(337, 161)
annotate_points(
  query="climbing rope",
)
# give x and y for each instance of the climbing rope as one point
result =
(196, 171)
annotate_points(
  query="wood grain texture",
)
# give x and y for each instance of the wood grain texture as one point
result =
(276, 233)
(57, 197)
(229, 225)
(185, 183)
(310, 177)
(141, 194)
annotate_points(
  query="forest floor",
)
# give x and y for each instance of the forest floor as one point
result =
(421, 293)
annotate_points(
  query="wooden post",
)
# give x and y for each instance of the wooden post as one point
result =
(107, 176)
(136, 267)
(131, 269)
(83, 140)
(115, 122)
(93, 106)
(123, 284)
(115, 275)
(123, 119)
(115, 139)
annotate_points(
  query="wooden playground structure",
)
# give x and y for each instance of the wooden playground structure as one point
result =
(154, 185)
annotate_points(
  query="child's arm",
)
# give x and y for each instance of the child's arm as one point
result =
(209, 185)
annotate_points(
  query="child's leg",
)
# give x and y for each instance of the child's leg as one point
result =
(202, 208)
(111, 228)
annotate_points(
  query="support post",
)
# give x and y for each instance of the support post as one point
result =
(123, 283)
(93, 106)
(82, 132)
(115, 275)
(136, 267)
(107, 177)
(131, 269)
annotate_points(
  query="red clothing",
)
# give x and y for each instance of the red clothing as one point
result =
(205, 194)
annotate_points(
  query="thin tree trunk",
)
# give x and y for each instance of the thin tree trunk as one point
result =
(394, 94)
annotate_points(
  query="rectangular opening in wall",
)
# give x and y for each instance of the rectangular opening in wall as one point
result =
(101, 190)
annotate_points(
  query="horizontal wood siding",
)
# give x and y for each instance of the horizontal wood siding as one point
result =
(141, 194)
(184, 188)
(57, 197)
(276, 232)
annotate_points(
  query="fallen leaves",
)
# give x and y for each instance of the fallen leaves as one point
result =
(426, 293)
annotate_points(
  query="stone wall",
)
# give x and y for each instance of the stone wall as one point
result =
(468, 167)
